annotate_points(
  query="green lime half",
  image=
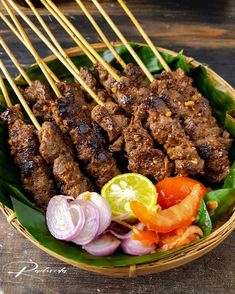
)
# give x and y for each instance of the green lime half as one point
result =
(124, 188)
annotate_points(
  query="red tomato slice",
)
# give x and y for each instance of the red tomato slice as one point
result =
(173, 190)
(180, 215)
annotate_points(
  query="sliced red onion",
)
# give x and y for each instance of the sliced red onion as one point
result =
(60, 222)
(104, 246)
(121, 236)
(91, 227)
(135, 247)
(139, 226)
(104, 209)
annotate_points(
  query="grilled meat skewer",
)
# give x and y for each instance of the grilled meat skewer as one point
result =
(186, 103)
(39, 97)
(177, 145)
(35, 175)
(108, 117)
(135, 74)
(73, 117)
(167, 131)
(143, 158)
(54, 150)
(72, 114)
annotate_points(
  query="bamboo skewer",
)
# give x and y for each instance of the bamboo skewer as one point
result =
(144, 35)
(12, 28)
(20, 96)
(16, 32)
(32, 49)
(15, 61)
(50, 34)
(56, 52)
(106, 65)
(5, 93)
(52, 37)
(124, 41)
(67, 29)
(101, 34)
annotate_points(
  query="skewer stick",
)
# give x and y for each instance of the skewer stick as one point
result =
(56, 52)
(15, 61)
(106, 65)
(124, 40)
(20, 96)
(5, 93)
(67, 29)
(144, 35)
(15, 31)
(101, 34)
(49, 33)
(12, 28)
(38, 59)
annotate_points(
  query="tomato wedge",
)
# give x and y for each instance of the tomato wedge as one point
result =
(148, 238)
(180, 215)
(173, 190)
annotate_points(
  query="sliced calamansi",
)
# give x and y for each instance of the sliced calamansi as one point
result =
(124, 188)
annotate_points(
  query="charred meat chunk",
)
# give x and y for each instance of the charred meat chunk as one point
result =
(129, 97)
(135, 74)
(71, 108)
(39, 97)
(55, 151)
(52, 143)
(88, 78)
(185, 102)
(37, 91)
(104, 165)
(36, 180)
(74, 118)
(24, 144)
(106, 118)
(167, 131)
(151, 162)
(105, 78)
(69, 177)
(140, 149)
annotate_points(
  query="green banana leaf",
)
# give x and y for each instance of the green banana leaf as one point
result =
(230, 121)
(34, 221)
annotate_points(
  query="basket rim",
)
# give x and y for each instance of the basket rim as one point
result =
(171, 261)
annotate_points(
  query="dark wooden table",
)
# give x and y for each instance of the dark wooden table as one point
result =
(206, 30)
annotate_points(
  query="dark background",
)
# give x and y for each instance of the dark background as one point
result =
(206, 31)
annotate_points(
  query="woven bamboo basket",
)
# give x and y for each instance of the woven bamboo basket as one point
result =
(223, 230)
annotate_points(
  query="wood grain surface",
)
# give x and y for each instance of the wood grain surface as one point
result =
(205, 30)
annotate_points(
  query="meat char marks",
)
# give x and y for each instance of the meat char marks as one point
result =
(135, 74)
(186, 103)
(54, 150)
(110, 119)
(143, 158)
(73, 117)
(39, 97)
(168, 132)
(35, 175)
(164, 128)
